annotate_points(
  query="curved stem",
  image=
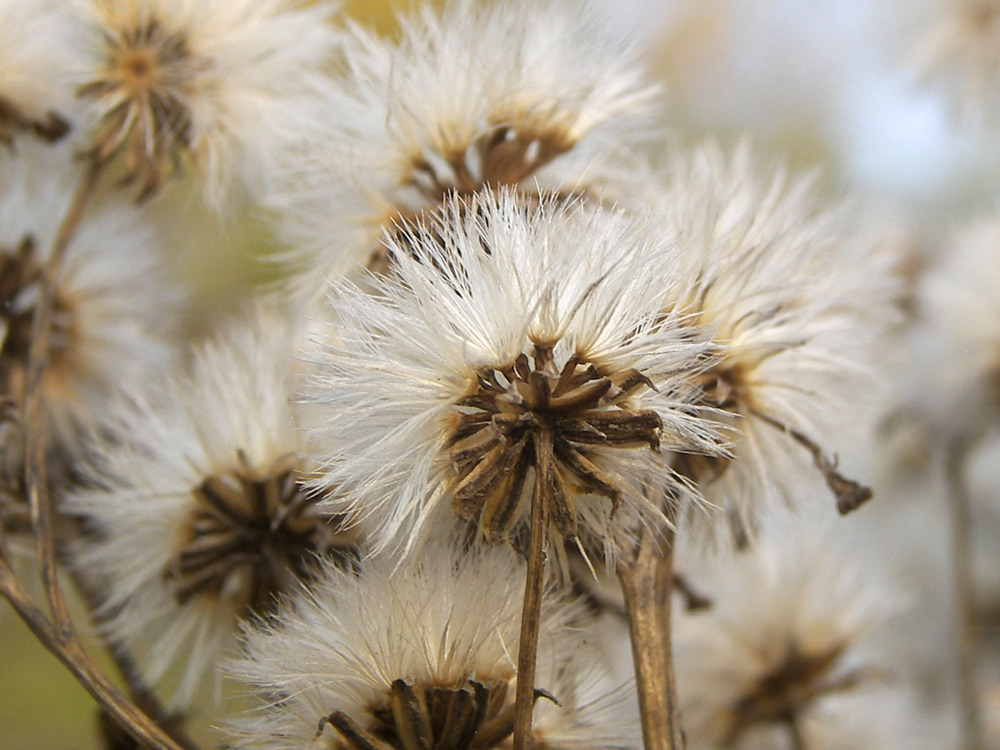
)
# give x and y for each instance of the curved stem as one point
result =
(35, 474)
(67, 648)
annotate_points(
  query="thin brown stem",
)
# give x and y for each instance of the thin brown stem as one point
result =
(35, 473)
(531, 610)
(67, 648)
(960, 509)
(59, 636)
(138, 691)
(646, 575)
(850, 494)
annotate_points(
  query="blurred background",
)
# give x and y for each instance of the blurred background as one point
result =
(814, 85)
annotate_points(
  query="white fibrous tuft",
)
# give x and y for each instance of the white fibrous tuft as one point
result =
(35, 91)
(532, 94)
(959, 52)
(796, 304)
(115, 308)
(957, 336)
(447, 624)
(218, 83)
(196, 505)
(789, 645)
(428, 393)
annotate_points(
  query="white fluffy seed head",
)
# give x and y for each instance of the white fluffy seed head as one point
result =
(494, 277)
(797, 304)
(793, 621)
(512, 93)
(230, 77)
(955, 381)
(448, 617)
(230, 413)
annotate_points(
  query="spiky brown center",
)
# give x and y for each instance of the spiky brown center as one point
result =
(474, 715)
(534, 414)
(502, 157)
(143, 86)
(787, 691)
(251, 536)
(20, 287)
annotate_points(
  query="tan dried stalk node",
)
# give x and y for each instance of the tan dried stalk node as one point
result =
(535, 414)
(13, 121)
(145, 79)
(252, 535)
(728, 387)
(789, 690)
(474, 715)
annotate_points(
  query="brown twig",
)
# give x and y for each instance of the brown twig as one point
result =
(960, 509)
(35, 474)
(527, 652)
(59, 636)
(646, 575)
(850, 495)
(140, 694)
(67, 648)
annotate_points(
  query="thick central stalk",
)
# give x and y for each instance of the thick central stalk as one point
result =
(531, 610)
(647, 582)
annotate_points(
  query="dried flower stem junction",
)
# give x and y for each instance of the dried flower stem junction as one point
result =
(534, 414)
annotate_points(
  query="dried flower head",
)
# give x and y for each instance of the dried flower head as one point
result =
(523, 93)
(215, 82)
(957, 335)
(960, 52)
(795, 305)
(788, 636)
(413, 657)
(34, 92)
(198, 505)
(519, 353)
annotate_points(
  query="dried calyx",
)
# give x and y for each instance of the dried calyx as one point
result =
(142, 87)
(783, 695)
(727, 387)
(13, 121)
(502, 157)
(473, 715)
(535, 414)
(251, 535)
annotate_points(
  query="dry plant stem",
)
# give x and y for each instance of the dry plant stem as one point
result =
(59, 636)
(68, 650)
(959, 507)
(646, 575)
(35, 475)
(140, 694)
(531, 610)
